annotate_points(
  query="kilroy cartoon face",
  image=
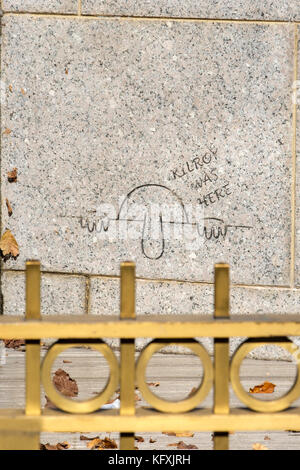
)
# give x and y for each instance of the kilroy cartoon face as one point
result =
(154, 215)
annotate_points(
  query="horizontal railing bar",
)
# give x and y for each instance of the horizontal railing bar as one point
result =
(147, 420)
(178, 326)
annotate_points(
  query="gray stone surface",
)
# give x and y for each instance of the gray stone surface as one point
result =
(99, 107)
(43, 6)
(186, 298)
(296, 96)
(60, 294)
(234, 9)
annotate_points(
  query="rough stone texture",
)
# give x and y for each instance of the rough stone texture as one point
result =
(297, 101)
(235, 9)
(59, 294)
(43, 6)
(186, 298)
(99, 107)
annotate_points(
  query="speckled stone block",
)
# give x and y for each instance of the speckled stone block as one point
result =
(296, 96)
(43, 6)
(60, 294)
(128, 112)
(235, 9)
(165, 298)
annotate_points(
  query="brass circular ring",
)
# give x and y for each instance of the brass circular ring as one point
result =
(254, 403)
(86, 406)
(174, 406)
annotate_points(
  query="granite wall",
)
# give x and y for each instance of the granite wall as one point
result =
(111, 108)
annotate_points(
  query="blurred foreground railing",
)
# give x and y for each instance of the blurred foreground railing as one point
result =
(20, 429)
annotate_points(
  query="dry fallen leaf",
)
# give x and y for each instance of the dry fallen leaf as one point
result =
(182, 445)
(14, 343)
(8, 246)
(139, 438)
(9, 208)
(12, 176)
(152, 440)
(266, 387)
(258, 446)
(10, 88)
(179, 434)
(100, 444)
(154, 384)
(85, 438)
(194, 389)
(65, 361)
(59, 446)
(267, 438)
(23, 91)
(7, 131)
(64, 384)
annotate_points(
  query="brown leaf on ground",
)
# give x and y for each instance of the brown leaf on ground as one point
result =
(65, 361)
(179, 434)
(152, 440)
(14, 343)
(258, 446)
(64, 384)
(7, 131)
(9, 208)
(139, 438)
(8, 246)
(12, 176)
(85, 438)
(267, 438)
(59, 446)
(23, 91)
(192, 391)
(153, 384)
(266, 387)
(182, 445)
(100, 444)
(10, 88)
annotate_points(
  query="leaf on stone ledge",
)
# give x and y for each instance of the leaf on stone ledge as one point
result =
(12, 176)
(7, 131)
(101, 444)
(9, 208)
(266, 387)
(258, 446)
(14, 343)
(86, 438)
(182, 445)
(64, 384)
(179, 433)
(8, 246)
(59, 446)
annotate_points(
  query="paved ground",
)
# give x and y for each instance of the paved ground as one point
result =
(176, 374)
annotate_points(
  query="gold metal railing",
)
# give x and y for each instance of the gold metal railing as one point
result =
(20, 429)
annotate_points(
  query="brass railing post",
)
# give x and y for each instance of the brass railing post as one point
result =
(221, 353)
(27, 440)
(127, 360)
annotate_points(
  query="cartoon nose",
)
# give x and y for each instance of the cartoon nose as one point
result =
(153, 243)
